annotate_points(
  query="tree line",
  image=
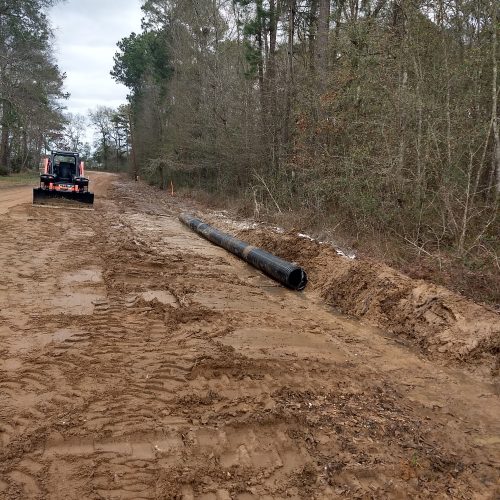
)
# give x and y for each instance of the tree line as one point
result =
(378, 115)
(110, 148)
(31, 84)
(32, 112)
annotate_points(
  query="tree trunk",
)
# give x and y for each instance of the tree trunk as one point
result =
(4, 140)
(322, 45)
(260, 65)
(271, 82)
(312, 32)
(290, 76)
(494, 102)
(25, 151)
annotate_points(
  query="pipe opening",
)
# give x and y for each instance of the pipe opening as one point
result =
(297, 279)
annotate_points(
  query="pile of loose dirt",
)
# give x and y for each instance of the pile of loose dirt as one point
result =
(442, 323)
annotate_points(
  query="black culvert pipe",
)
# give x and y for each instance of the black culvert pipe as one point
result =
(288, 274)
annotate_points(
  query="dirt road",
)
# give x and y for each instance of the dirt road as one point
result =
(139, 361)
(12, 196)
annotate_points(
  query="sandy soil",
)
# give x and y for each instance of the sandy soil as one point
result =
(12, 196)
(139, 361)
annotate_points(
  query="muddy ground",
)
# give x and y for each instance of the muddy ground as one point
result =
(139, 361)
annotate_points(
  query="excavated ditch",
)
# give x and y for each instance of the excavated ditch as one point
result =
(442, 323)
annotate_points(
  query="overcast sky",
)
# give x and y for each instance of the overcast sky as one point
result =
(86, 32)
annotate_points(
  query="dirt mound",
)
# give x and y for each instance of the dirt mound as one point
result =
(441, 322)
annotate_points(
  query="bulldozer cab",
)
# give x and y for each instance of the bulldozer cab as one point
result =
(65, 166)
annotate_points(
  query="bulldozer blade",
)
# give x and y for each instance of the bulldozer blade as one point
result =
(41, 196)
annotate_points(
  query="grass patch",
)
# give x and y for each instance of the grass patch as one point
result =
(20, 179)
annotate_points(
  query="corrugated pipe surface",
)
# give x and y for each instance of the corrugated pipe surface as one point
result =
(288, 274)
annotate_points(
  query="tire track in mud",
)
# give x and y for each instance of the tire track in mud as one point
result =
(123, 422)
(46, 361)
(163, 368)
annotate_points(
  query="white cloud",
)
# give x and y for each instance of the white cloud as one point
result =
(86, 33)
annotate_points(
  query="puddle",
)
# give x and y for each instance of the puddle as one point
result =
(11, 364)
(74, 304)
(83, 276)
(143, 447)
(162, 296)
(63, 334)
(254, 342)
(235, 300)
(28, 342)
(488, 441)
(195, 244)
(5, 332)
(83, 234)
